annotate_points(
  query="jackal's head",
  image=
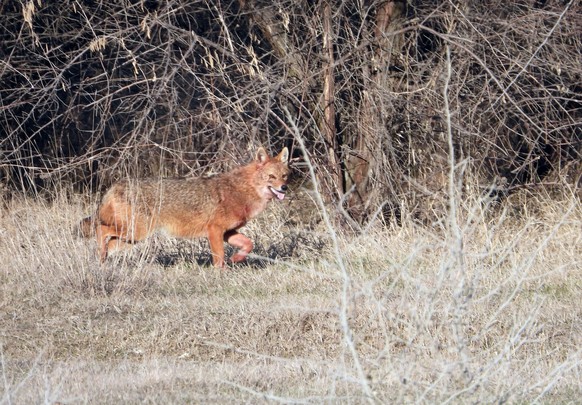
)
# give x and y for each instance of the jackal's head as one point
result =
(272, 174)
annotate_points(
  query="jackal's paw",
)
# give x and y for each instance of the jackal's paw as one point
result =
(238, 257)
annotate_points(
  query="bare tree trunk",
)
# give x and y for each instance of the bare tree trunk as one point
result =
(364, 144)
(328, 123)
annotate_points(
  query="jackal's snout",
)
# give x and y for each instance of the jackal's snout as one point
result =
(279, 193)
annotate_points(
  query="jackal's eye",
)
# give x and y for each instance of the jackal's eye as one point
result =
(272, 177)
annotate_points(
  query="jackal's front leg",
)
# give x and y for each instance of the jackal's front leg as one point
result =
(215, 237)
(240, 241)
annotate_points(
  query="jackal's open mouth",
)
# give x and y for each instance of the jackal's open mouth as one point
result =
(280, 194)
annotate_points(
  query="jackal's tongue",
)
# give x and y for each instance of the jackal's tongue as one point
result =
(277, 193)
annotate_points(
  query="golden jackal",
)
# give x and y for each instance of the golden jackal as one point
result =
(214, 207)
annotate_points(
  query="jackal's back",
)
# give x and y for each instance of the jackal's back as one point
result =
(182, 207)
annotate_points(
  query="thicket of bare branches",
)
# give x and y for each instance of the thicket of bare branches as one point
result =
(92, 91)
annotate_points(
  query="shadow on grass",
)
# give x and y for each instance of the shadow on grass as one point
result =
(265, 252)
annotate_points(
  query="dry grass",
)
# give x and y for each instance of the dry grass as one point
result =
(403, 314)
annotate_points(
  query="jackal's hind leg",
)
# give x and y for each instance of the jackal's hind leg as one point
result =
(104, 233)
(110, 238)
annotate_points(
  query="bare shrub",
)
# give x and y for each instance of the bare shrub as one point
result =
(96, 91)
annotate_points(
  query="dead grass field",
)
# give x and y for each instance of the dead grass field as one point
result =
(396, 314)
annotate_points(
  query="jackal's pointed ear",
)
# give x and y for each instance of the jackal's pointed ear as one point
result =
(261, 155)
(283, 157)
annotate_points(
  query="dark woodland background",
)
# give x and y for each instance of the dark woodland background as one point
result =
(382, 97)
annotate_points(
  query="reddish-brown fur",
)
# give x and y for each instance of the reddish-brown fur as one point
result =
(214, 207)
